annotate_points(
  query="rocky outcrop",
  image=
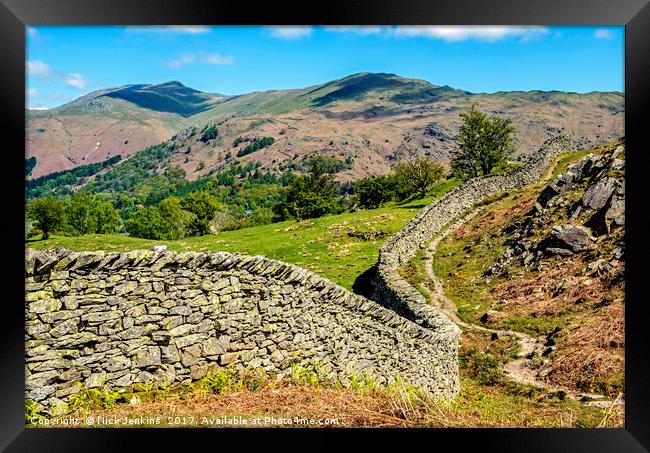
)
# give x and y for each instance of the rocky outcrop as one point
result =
(117, 319)
(583, 204)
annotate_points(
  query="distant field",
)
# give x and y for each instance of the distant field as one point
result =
(339, 247)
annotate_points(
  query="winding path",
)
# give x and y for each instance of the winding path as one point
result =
(517, 370)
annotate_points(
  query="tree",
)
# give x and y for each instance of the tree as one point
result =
(484, 143)
(310, 196)
(87, 213)
(175, 219)
(419, 174)
(374, 191)
(203, 206)
(48, 213)
(78, 213)
(146, 223)
(107, 219)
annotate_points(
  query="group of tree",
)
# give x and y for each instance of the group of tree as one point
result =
(167, 221)
(82, 213)
(29, 165)
(58, 181)
(174, 217)
(255, 145)
(209, 133)
(484, 144)
(410, 178)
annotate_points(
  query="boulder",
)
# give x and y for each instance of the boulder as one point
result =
(491, 316)
(597, 195)
(615, 215)
(572, 238)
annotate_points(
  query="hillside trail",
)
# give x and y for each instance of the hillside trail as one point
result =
(518, 369)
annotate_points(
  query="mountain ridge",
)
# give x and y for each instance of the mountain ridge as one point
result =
(380, 117)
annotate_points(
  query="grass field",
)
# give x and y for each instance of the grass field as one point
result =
(339, 247)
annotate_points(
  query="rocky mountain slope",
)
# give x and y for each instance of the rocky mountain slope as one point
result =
(370, 119)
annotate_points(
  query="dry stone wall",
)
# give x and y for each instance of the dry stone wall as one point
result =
(390, 289)
(118, 319)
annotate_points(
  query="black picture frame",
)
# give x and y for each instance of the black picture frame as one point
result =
(633, 14)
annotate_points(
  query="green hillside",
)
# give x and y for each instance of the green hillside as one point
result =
(339, 247)
(171, 97)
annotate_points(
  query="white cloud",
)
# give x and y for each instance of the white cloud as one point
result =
(39, 68)
(181, 61)
(76, 81)
(462, 33)
(171, 29)
(35, 36)
(38, 107)
(214, 58)
(32, 92)
(290, 32)
(363, 30)
(203, 57)
(603, 33)
(188, 29)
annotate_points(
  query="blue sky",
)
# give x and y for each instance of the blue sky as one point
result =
(64, 63)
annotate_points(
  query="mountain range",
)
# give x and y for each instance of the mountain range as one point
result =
(370, 119)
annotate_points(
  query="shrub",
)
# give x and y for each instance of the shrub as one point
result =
(209, 134)
(481, 366)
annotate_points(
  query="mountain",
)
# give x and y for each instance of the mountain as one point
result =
(371, 119)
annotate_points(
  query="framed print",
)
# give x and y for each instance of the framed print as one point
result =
(427, 216)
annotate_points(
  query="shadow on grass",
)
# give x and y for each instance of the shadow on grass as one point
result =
(363, 283)
(413, 206)
(28, 240)
(414, 198)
